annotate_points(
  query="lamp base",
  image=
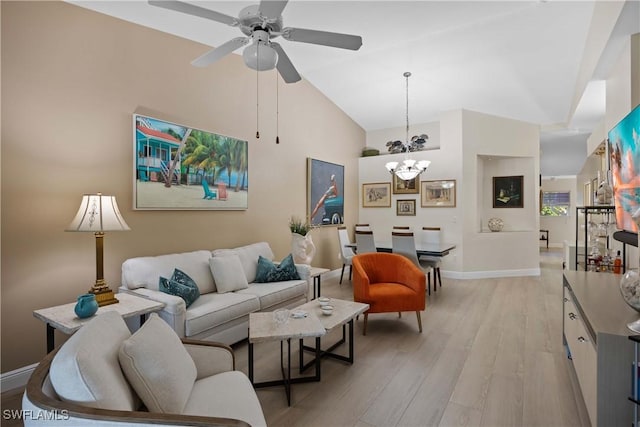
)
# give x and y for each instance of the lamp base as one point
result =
(104, 295)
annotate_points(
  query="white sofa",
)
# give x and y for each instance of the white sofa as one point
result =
(104, 376)
(214, 316)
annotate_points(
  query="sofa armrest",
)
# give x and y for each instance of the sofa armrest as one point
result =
(304, 271)
(174, 311)
(209, 357)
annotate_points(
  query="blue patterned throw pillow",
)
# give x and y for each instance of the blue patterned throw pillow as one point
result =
(269, 272)
(180, 285)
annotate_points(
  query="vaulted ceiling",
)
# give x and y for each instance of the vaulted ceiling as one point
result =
(526, 60)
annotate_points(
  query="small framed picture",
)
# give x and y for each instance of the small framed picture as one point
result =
(376, 195)
(406, 207)
(400, 186)
(438, 194)
(507, 191)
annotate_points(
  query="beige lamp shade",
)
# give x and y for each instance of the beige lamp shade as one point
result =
(98, 213)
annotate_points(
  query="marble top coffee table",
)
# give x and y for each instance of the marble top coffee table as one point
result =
(263, 328)
(344, 312)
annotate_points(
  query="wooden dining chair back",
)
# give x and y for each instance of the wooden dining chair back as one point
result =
(388, 283)
(432, 235)
(365, 242)
(346, 253)
(403, 243)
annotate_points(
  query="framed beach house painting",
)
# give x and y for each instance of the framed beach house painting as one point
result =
(177, 167)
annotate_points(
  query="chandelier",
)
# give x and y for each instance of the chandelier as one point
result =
(409, 169)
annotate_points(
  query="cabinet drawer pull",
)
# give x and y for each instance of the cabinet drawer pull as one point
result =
(572, 316)
(582, 339)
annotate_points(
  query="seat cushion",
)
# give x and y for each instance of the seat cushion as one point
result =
(274, 293)
(389, 297)
(215, 309)
(86, 370)
(227, 395)
(158, 366)
(145, 272)
(248, 257)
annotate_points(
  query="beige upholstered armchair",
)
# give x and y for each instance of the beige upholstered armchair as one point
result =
(104, 376)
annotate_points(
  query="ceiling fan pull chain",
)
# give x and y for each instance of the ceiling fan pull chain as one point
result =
(257, 93)
(277, 111)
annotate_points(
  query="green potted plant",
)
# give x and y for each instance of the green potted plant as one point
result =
(296, 225)
(302, 247)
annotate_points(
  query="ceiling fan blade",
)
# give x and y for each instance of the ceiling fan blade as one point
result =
(285, 67)
(325, 38)
(224, 49)
(272, 9)
(190, 9)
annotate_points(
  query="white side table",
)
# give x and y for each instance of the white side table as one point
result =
(63, 318)
(316, 273)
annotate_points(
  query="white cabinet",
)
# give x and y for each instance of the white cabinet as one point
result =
(595, 333)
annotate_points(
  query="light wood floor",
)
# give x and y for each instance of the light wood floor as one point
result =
(490, 354)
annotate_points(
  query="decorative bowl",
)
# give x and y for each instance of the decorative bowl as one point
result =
(630, 290)
(495, 224)
(324, 301)
(327, 310)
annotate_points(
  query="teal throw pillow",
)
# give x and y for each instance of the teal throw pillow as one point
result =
(180, 285)
(269, 272)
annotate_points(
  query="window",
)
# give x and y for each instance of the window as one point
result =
(555, 203)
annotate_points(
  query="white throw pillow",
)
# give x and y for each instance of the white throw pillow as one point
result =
(228, 273)
(158, 366)
(86, 371)
(248, 257)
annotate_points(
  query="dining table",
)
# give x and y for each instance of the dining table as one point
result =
(432, 249)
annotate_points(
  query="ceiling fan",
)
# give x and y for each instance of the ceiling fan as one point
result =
(261, 23)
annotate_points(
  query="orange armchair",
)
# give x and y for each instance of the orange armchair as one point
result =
(388, 283)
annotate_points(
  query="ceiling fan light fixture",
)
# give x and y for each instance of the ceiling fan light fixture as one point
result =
(260, 56)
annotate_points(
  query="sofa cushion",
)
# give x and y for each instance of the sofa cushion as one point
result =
(270, 272)
(158, 366)
(248, 257)
(145, 272)
(188, 293)
(274, 293)
(228, 273)
(227, 395)
(86, 370)
(215, 309)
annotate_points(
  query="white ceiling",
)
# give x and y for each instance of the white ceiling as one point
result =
(516, 59)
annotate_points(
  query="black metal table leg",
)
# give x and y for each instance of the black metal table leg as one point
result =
(50, 338)
(287, 381)
(329, 351)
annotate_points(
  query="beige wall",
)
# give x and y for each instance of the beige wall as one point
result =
(71, 79)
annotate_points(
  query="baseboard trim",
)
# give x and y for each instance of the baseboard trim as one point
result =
(17, 378)
(462, 275)
(466, 275)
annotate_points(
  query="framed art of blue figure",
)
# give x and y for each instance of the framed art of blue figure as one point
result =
(325, 192)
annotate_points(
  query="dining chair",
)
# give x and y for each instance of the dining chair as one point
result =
(345, 253)
(362, 227)
(365, 242)
(403, 243)
(432, 235)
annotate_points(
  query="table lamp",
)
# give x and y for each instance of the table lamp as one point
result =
(98, 214)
